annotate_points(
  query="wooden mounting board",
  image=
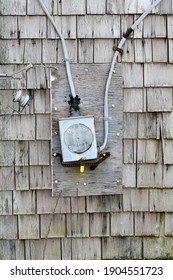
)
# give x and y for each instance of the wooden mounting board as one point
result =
(89, 81)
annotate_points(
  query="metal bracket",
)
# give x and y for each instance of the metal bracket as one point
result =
(92, 163)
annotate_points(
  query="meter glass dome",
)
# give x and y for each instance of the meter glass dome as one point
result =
(78, 138)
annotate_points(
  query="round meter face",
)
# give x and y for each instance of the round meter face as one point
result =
(78, 138)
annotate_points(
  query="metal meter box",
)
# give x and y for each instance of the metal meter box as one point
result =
(78, 139)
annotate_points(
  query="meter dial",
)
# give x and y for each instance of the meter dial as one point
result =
(78, 138)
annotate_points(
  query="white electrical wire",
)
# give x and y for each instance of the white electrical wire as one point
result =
(66, 57)
(120, 45)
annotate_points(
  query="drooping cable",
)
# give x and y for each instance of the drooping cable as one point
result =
(119, 47)
(65, 52)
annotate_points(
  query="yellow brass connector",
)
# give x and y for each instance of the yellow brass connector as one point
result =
(82, 169)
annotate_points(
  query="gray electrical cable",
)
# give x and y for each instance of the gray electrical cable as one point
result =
(119, 47)
(65, 52)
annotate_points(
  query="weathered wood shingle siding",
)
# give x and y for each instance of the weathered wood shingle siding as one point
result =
(135, 224)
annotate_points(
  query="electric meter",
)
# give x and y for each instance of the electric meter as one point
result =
(78, 139)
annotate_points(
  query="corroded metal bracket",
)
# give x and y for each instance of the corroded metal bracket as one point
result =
(93, 163)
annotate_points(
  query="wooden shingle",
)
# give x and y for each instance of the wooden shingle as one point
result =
(46, 204)
(98, 26)
(28, 226)
(52, 226)
(47, 249)
(147, 224)
(36, 155)
(91, 248)
(77, 225)
(40, 177)
(73, 7)
(7, 178)
(12, 250)
(8, 227)
(24, 202)
(136, 200)
(99, 224)
(161, 200)
(32, 27)
(22, 177)
(120, 248)
(122, 224)
(6, 203)
(8, 27)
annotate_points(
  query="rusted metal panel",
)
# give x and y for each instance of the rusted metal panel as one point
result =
(90, 82)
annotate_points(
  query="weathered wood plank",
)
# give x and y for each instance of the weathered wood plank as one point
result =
(12, 51)
(153, 72)
(155, 26)
(78, 204)
(122, 224)
(96, 7)
(149, 175)
(22, 178)
(24, 202)
(34, 8)
(73, 7)
(8, 27)
(168, 152)
(12, 250)
(15, 7)
(40, 177)
(105, 179)
(21, 153)
(85, 51)
(32, 51)
(6, 203)
(129, 175)
(103, 52)
(168, 125)
(52, 226)
(148, 151)
(147, 224)
(49, 51)
(99, 224)
(121, 248)
(136, 200)
(169, 224)
(7, 178)
(77, 225)
(129, 151)
(91, 248)
(47, 249)
(134, 100)
(42, 101)
(46, 204)
(18, 127)
(130, 71)
(28, 226)
(157, 248)
(6, 153)
(32, 27)
(43, 125)
(147, 125)
(161, 200)
(98, 26)
(159, 99)
(36, 154)
(8, 227)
